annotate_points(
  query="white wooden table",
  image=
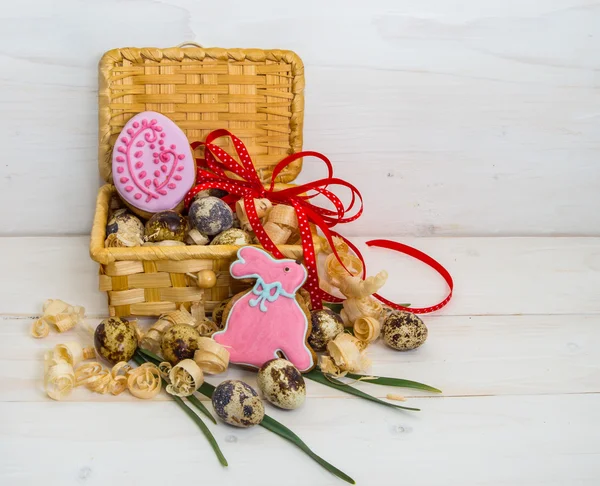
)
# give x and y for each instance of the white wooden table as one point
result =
(515, 353)
(454, 119)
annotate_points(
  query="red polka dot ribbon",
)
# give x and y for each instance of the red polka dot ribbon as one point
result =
(212, 174)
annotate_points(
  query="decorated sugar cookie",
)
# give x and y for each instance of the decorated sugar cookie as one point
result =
(152, 163)
(268, 319)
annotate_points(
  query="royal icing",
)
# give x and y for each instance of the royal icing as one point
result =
(267, 319)
(152, 163)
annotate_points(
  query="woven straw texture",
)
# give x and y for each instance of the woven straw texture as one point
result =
(256, 94)
(149, 281)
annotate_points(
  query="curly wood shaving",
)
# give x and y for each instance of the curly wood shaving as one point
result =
(186, 377)
(64, 322)
(367, 329)
(94, 377)
(284, 215)
(211, 357)
(73, 353)
(356, 308)
(54, 306)
(338, 243)
(197, 311)
(99, 380)
(278, 234)
(62, 315)
(336, 272)
(329, 367)
(358, 288)
(59, 378)
(181, 316)
(206, 327)
(119, 377)
(165, 369)
(194, 237)
(263, 207)
(120, 240)
(40, 328)
(144, 381)
(151, 340)
(118, 385)
(282, 224)
(348, 353)
(120, 369)
(85, 371)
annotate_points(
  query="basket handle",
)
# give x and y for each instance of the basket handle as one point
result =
(190, 44)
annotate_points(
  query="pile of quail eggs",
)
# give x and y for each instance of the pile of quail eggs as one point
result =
(279, 381)
(209, 221)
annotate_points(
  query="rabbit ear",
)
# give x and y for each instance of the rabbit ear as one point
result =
(252, 253)
(250, 262)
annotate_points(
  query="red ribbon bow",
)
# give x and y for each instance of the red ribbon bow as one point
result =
(250, 187)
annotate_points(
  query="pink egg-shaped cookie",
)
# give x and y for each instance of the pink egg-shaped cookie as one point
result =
(152, 163)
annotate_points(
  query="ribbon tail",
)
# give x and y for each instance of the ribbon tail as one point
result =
(263, 307)
(213, 173)
(422, 257)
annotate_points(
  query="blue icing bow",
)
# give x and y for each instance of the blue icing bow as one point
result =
(265, 294)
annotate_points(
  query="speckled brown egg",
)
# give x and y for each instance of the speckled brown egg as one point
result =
(238, 404)
(124, 229)
(166, 225)
(115, 340)
(179, 342)
(282, 384)
(404, 331)
(210, 215)
(232, 236)
(326, 325)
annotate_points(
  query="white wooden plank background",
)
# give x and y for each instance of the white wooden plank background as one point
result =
(475, 118)
(515, 354)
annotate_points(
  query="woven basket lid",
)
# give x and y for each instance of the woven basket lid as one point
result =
(256, 94)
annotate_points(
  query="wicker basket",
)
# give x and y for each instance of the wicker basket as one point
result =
(256, 94)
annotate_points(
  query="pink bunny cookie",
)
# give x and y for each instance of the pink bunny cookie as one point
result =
(267, 319)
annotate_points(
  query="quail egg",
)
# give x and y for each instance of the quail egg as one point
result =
(124, 229)
(404, 331)
(282, 384)
(326, 325)
(238, 404)
(166, 225)
(210, 215)
(179, 342)
(115, 340)
(232, 236)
